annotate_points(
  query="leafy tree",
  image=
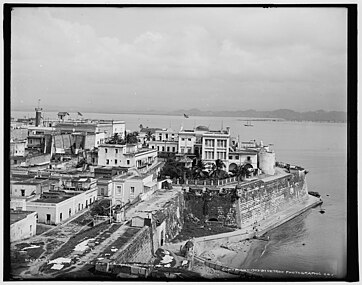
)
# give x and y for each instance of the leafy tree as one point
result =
(173, 169)
(100, 208)
(131, 138)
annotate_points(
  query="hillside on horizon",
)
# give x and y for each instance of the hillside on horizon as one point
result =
(284, 114)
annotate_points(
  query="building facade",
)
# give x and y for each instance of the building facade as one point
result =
(126, 156)
(241, 157)
(186, 141)
(215, 145)
(22, 225)
(58, 206)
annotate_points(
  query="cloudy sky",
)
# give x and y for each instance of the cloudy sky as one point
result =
(113, 59)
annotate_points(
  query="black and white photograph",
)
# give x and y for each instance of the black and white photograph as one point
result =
(180, 142)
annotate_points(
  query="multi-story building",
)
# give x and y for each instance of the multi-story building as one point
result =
(215, 145)
(243, 156)
(126, 156)
(165, 140)
(109, 127)
(128, 187)
(186, 141)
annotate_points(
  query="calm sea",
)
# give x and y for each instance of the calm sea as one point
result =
(312, 242)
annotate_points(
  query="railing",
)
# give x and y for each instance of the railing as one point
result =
(206, 182)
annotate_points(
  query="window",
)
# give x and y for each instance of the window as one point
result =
(166, 136)
(128, 162)
(173, 149)
(115, 161)
(221, 143)
(116, 150)
(70, 212)
(107, 161)
(237, 157)
(131, 195)
(31, 229)
(168, 148)
(78, 206)
(106, 150)
(153, 147)
(209, 143)
(102, 191)
(22, 192)
(183, 139)
(189, 139)
(61, 216)
(163, 148)
(119, 190)
(230, 157)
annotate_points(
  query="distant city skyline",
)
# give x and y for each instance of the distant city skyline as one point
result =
(212, 59)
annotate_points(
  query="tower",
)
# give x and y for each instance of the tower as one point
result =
(38, 114)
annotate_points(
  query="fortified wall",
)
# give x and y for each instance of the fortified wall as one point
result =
(159, 221)
(250, 202)
(259, 199)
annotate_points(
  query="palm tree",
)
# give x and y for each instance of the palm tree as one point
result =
(240, 172)
(217, 169)
(198, 170)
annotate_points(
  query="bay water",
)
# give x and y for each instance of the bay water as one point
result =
(312, 242)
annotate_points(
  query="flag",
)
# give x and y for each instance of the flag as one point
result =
(80, 114)
(186, 116)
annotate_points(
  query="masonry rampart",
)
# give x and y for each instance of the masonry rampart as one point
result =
(250, 202)
(137, 249)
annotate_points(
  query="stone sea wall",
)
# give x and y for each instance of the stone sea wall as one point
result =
(248, 204)
(258, 200)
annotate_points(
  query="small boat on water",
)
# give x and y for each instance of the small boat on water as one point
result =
(248, 124)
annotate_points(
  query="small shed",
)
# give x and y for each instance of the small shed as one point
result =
(141, 219)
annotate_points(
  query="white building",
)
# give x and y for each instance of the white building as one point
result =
(215, 145)
(165, 140)
(128, 187)
(240, 157)
(17, 147)
(58, 206)
(22, 225)
(186, 141)
(126, 156)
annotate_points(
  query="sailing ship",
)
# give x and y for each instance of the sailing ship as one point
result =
(248, 124)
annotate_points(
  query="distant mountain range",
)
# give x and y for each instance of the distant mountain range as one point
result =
(285, 114)
(280, 114)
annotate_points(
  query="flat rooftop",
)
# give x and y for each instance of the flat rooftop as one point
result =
(159, 199)
(56, 199)
(16, 216)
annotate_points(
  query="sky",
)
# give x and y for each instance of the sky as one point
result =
(141, 59)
